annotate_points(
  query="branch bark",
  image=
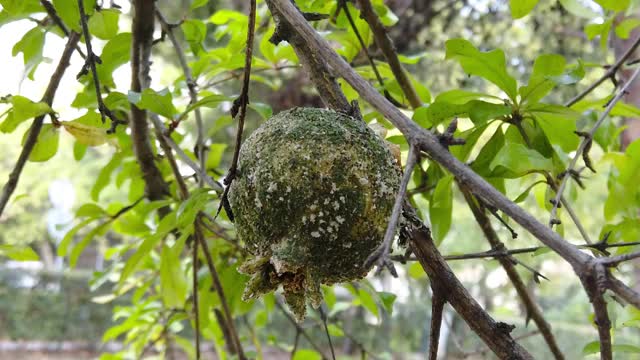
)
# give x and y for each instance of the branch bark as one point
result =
(142, 40)
(496, 335)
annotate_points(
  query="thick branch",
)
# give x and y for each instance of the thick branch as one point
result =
(495, 335)
(142, 39)
(34, 131)
(320, 73)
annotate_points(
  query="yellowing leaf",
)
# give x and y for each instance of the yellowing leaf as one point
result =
(86, 134)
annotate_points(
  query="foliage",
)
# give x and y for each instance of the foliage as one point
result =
(519, 136)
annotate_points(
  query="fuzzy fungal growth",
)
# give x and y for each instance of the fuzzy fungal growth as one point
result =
(311, 200)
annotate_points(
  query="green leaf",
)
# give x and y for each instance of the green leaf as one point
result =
(104, 176)
(558, 123)
(141, 251)
(541, 81)
(104, 24)
(210, 101)
(573, 74)
(79, 150)
(577, 8)
(31, 46)
(69, 12)
(368, 302)
(82, 244)
(306, 354)
(215, 155)
(335, 331)
(157, 102)
(602, 30)
(488, 153)
(476, 110)
(441, 208)
(173, 283)
(198, 3)
(619, 109)
(416, 271)
(90, 210)
(525, 194)
(458, 96)
(22, 109)
(626, 26)
(489, 65)
(63, 247)
(594, 347)
(615, 5)
(521, 8)
(387, 300)
(115, 53)
(515, 160)
(47, 144)
(263, 109)
(195, 31)
(19, 253)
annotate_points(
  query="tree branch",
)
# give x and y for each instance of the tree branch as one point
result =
(389, 50)
(426, 140)
(585, 144)
(320, 73)
(200, 149)
(507, 262)
(90, 63)
(610, 73)
(381, 254)
(443, 281)
(34, 131)
(142, 40)
(498, 253)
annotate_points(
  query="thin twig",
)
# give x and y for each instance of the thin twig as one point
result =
(90, 63)
(157, 123)
(594, 284)
(295, 344)
(300, 329)
(235, 76)
(342, 4)
(586, 140)
(239, 108)
(196, 308)
(388, 49)
(532, 309)
(616, 260)
(34, 131)
(217, 285)
(53, 14)
(381, 254)
(323, 316)
(610, 73)
(200, 149)
(505, 253)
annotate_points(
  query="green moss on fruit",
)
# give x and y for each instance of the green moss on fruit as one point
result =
(314, 191)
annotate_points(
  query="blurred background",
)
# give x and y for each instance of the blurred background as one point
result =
(50, 311)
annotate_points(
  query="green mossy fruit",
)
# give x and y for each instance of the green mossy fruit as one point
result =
(312, 197)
